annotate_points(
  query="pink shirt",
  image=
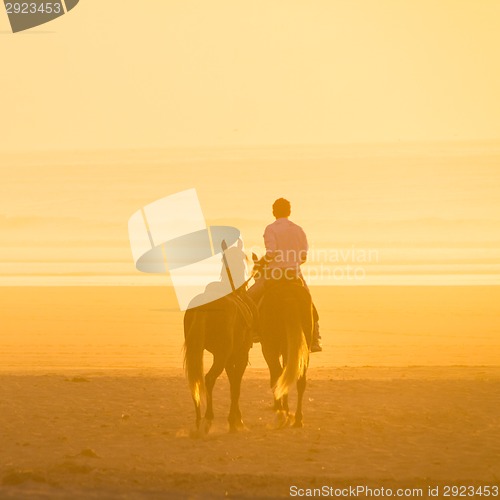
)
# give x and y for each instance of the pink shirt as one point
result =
(288, 242)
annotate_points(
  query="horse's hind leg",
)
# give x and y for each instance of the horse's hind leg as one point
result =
(235, 370)
(284, 400)
(210, 378)
(275, 370)
(301, 388)
(197, 410)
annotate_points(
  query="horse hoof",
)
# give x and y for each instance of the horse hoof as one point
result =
(205, 427)
(237, 426)
(298, 424)
(282, 419)
(202, 429)
(194, 434)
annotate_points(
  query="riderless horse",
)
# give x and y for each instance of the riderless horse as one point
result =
(222, 327)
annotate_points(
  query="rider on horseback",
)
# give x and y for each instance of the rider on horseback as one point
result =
(286, 250)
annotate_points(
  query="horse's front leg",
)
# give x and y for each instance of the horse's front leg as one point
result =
(301, 388)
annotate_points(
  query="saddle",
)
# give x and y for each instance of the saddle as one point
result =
(243, 307)
(293, 284)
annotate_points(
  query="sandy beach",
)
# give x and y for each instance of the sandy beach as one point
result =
(132, 130)
(94, 435)
(94, 404)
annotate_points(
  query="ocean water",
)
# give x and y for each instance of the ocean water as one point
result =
(401, 214)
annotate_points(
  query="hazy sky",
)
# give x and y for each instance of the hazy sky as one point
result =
(120, 74)
(117, 75)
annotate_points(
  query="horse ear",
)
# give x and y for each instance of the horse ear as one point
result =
(254, 257)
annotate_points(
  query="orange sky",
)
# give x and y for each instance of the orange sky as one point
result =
(120, 74)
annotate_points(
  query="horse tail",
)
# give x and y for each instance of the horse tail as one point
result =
(297, 352)
(194, 346)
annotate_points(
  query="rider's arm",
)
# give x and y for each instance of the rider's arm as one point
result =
(304, 247)
(270, 243)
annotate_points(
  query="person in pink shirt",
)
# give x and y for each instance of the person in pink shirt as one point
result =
(286, 250)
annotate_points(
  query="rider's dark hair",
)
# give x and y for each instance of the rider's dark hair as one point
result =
(282, 208)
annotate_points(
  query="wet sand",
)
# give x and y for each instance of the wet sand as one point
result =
(45, 328)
